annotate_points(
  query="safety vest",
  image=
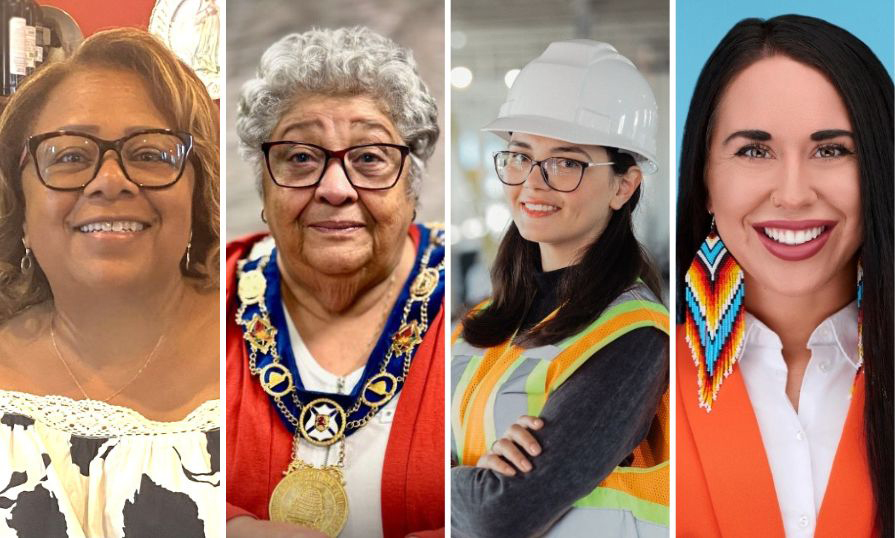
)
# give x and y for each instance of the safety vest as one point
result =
(492, 388)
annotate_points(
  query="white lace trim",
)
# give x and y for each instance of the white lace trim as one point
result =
(92, 418)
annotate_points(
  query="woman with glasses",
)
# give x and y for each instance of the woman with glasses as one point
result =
(559, 421)
(109, 412)
(335, 318)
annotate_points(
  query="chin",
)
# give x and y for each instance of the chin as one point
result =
(334, 261)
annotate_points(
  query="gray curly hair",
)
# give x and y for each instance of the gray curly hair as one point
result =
(345, 61)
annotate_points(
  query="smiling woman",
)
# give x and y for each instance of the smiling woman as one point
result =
(108, 309)
(785, 271)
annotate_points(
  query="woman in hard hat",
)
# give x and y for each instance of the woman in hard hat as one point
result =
(573, 341)
(784, 352)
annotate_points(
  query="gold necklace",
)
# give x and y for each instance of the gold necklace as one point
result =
(71, 374)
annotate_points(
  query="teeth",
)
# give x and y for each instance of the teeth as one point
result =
(794, 237)
(540, 207)
(113, 226)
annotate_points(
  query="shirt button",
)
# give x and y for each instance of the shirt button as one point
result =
(800, 435)
(825, 367)
(803, 521)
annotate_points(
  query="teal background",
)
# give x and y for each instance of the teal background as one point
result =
(702, 23)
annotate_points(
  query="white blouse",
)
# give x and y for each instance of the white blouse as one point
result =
(364, 449)
(83, 468)
(800, 446)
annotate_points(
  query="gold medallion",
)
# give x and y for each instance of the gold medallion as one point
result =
(252, 286)
(276, 379)
(322, 422)
(407, 337)
(424, 284)
(311, 497)
(260, 333)
(379, 389)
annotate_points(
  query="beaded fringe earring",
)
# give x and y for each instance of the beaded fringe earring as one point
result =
(715, 321)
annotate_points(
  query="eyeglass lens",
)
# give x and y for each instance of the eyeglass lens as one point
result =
(299, 165)
(150, 159)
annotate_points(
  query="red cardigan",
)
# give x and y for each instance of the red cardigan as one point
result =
(259, 445)
(724, 481)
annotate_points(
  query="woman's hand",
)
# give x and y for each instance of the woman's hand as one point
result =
(505, 456)
(249, 527)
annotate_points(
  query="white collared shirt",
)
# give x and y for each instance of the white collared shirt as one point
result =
(800, 446)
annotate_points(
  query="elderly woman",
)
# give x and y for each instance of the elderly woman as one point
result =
(335, 319)
(785, 275)
(109, 418)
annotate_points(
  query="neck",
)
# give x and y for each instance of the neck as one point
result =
(326, 297)
(102, 325)
(794, 317)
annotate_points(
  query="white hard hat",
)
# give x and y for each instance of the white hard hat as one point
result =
(584, 92)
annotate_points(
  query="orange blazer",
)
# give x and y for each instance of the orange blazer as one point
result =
(724, 482)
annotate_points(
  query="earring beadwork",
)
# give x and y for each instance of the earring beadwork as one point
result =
(715, 323)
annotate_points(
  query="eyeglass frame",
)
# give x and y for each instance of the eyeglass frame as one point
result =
(33, 141)
(333, 154)
(540, 164)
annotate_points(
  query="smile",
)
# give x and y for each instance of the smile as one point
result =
(794, 237)
(112, 226)
(792, 240)
(538, 209)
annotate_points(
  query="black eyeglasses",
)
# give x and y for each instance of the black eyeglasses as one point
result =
(69, 160)
(368, 166)
(560, 173)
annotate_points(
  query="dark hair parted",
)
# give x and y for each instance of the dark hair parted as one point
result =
(609, 266)
(177, 93)
(866, 89)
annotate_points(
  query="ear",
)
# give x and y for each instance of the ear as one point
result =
(25, 234)
(708, 203)
(626, 186)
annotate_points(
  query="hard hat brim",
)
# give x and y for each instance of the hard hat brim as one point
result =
(570, 132)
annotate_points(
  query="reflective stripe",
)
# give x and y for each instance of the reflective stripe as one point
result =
(534, 388)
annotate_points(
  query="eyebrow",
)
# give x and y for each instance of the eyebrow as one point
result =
(560, 149)
(827, 134)
(369, 124)
(751, 134)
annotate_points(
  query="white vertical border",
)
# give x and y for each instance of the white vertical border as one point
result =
(448, 269)
(672, 260)
(222, 141)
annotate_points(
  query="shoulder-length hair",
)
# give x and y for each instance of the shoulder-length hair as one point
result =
(175, 90)
(607, 267)
(866, 89)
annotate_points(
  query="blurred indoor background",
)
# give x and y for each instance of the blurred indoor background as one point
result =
(490, 42)
(254, 26)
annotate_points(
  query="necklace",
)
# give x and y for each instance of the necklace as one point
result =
(71, 374)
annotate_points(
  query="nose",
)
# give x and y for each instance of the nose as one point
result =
(795, 188)
(537, 180)
(110, 180)
(334, 187)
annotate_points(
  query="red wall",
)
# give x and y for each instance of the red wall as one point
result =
(94, 15)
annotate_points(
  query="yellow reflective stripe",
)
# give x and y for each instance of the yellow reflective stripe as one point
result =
(611, 328)
(457, 429)
(618, 500)
(534, 388)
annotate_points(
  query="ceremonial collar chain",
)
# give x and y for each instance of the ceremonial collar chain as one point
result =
(324, 419)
